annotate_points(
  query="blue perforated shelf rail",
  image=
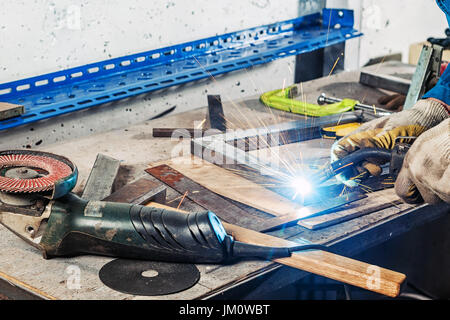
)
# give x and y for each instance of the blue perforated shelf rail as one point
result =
(65, 91)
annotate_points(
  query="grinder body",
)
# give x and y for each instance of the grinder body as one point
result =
(37, 205)
(76, 226)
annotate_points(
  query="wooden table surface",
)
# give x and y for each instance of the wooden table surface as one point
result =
(24, 267)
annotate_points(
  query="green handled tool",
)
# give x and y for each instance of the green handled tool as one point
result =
(37, 205)
(326, 100)
(282, 99)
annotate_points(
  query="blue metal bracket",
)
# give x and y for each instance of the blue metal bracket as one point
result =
(65, 91)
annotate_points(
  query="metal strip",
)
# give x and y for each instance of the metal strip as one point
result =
(315, 210)
(139, 192)
(215, 112)
(428, 67)
(100, 182)
(223, 149)
(224, 209)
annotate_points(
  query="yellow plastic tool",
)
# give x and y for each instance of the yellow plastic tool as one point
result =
(340, 131)
(281, 99)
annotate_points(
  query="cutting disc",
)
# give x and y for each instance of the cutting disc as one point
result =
(148, 278)
(26, 171)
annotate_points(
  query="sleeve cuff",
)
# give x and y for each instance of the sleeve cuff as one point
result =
(446, 106)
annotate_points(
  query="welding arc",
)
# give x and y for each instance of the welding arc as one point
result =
(54, 169)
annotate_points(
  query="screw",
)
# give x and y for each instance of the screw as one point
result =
(30, 230)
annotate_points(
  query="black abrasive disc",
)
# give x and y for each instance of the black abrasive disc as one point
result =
(148, 278)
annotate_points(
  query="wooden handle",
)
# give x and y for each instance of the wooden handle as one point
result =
(330, 265)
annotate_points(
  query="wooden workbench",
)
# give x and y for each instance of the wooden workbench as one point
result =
(23, 266)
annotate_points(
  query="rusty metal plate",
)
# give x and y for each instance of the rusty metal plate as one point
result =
(209, 200)
(140, 192)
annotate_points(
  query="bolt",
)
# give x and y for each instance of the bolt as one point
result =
(30, 230)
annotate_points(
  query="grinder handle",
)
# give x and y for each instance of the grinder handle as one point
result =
(77, 226)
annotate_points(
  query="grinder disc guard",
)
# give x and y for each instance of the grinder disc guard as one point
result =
(26, 171)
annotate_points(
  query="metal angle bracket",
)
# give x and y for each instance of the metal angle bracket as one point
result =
(82, 87)
(231, 148)
(428, 67)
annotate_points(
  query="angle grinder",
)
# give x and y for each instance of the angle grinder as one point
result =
(36, 203)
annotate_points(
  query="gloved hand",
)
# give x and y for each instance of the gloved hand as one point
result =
(425, 174)
(382, 132)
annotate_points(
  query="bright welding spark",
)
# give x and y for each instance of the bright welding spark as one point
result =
(334, 66)
(181, 201)
(201, 124)
(301, 186)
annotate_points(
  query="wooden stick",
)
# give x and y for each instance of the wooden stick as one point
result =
(9, 110)
(330, 265)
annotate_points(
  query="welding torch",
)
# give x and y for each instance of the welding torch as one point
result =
(324, 99)
(395, 158)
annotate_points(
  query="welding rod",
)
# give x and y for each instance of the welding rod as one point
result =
(323, 99)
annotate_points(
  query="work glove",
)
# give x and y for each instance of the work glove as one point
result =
(382, 133)
(425, 175)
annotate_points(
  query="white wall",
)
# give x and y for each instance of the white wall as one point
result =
(42, 36)
(46, 35)
(390, 26)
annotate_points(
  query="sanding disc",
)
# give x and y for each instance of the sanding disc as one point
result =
(148, 278)
(28, 171)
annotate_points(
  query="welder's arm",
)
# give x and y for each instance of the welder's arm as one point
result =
(381, 133)
(441, 91)
(433, 109)
(425, 175)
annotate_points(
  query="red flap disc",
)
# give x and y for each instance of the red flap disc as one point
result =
(50, 168)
